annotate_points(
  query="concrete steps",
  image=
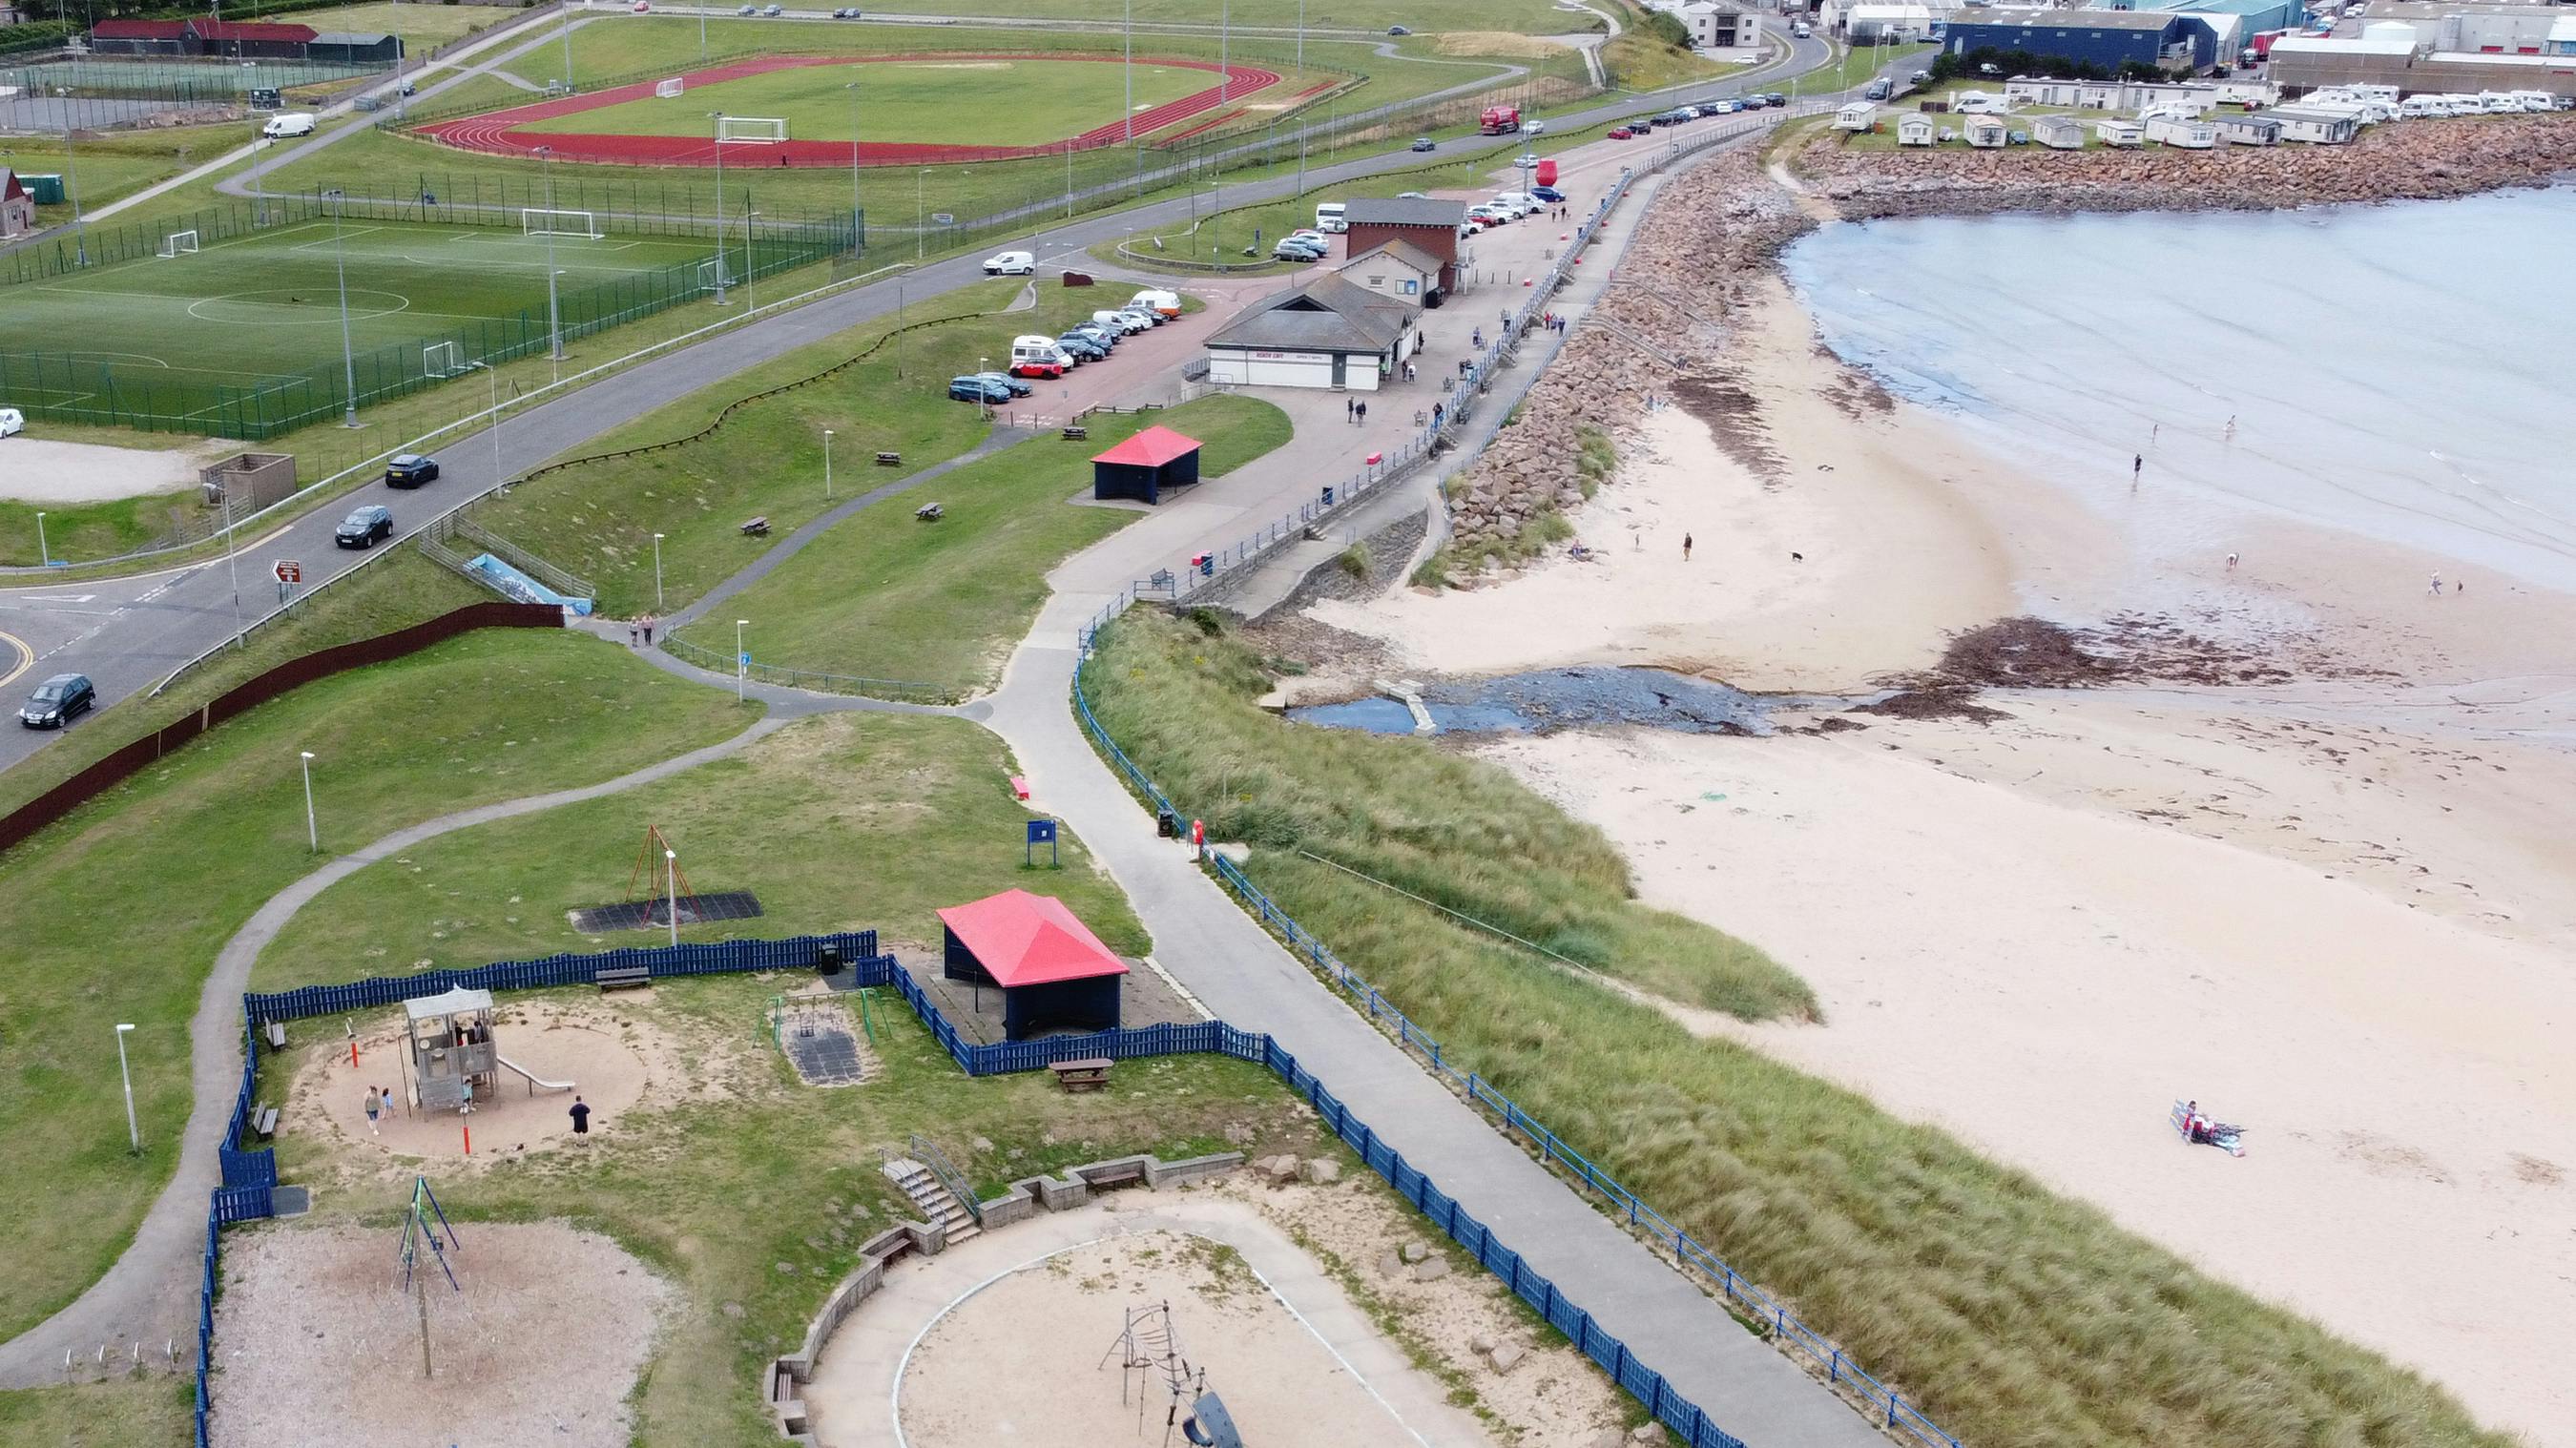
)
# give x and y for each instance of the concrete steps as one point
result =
(934, 1200)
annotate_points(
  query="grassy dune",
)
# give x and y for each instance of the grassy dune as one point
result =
(2017, 1318)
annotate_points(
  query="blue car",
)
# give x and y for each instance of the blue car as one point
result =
(1548, 194)
(977, 389)
(1082, 348)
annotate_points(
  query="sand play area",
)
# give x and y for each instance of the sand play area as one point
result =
(316, 1342)
(1019, 1336)
(611, 1063)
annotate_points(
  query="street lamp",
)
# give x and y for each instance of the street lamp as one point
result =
(671, 865)
(750, 266)
(340, 261)
(741, 659)
(855, 212)
(43, 553)
(567, 49)
(493, 375)
(920, 215)
(718, 118)
(554, 317)
(312, 830)
(133, 1133)
(657, 571)
(71, 179)
(827, 465)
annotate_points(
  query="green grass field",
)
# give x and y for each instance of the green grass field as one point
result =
(946, 102)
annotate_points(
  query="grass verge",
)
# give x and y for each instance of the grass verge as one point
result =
(2016, 1318)
(116, 913)
(148, 1410)
(882, 595)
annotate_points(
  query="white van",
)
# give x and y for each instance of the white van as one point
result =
(1520, 201)
(1161, 303)
(1331, 217)
(1123, 323)
(293, 123)
(1010, 263)
(1036, 356)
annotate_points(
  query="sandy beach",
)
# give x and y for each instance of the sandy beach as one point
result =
(2331, 901)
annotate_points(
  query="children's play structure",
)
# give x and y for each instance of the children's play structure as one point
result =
(1152, 1365)
(455, 1062)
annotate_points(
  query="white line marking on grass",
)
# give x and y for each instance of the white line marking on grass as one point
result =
(337, 237)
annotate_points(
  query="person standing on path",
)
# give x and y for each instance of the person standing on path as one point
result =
(648, 630)
(1363, 418)
(1350, 409)
(580, 1117)
(2435, 590)
(2231, 427)
(374, 1106)
(634, 629)
(2231, 562)
(2137, 465)
(1686, 547)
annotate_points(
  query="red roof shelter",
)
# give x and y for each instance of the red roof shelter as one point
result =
(1145, 464)
(1054, 973)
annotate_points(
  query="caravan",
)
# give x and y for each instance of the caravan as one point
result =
(1036, 356)
(1332, 217)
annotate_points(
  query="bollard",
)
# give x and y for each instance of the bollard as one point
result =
(468, 1129)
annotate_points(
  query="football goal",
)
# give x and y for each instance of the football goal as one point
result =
(668, 89)
(751, 128)
(442, 359)
(715, 275)
(178, 243)
(539, 221)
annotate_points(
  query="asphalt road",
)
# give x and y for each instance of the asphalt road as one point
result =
(128, 634)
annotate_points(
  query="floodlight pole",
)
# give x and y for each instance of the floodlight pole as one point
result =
(718, 117)
(567, 50)
(71, 179)
(855, 211)
(554, 316)
(702, 33)
(232, 566)
(827, 465)
(340, 261)
(1301, 35)
(1128, 69)
(920, 215)
(671, 864)
(492, 375)
(657, 570)
(133, 1133)
(312, 830)
(750, 265)
(1224, 34)
(898, 326)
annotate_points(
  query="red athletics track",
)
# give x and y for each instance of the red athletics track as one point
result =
(497, 132)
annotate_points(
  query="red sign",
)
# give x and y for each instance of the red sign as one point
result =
(289, 571)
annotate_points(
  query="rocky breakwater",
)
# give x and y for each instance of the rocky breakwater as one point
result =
(2404, 161)
(1708, 230)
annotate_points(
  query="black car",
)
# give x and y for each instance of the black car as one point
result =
(1425, 143)
(410, 470)
(56, 700)
(1775, 98)
(850, 13)
(1398, 30)
(363, 528)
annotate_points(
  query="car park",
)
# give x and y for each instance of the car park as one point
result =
(1010, 384)
(366, 527)
(1082, 347)
(972, 388)
(1621, 133)
(1105, 338)
(57, 701)
(410, 470)
(1425, 143)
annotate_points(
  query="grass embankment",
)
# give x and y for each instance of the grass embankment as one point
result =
(116, 913)
(1852, 67)
(598, 518)
(883, 595)
(423, 28)
(2015, 1317)
(148, 1410)
(111, 167)
(1640, 62)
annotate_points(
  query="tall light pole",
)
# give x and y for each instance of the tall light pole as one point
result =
(1128, 69)
(567, 49)
(133, 1133)
(671, 870)
(554, 316)
(750, 266)
(920, 214)
(741, 659)
(855, 211)
(827, 465)
(340, 260)
(1301, 35)
(312, 829)
(1224, 34)
(898, 326)
(232, 567)
(492, 375)
(657, 570)
(71, 180)
(718, 117)
(702, 31)
(44, 554)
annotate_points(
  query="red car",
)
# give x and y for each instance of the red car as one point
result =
(1620, 133)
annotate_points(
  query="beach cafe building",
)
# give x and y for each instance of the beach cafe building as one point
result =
(1054, 974)
(1331, 332)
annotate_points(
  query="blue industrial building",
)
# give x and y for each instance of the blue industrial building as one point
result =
(2253, 17)
(2107, 38)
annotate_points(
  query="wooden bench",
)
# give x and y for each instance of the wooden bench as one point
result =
(264, 1121)
(756, 528)
(1077, 433)
(623, 977)
(890, 460)
(1090, 1073)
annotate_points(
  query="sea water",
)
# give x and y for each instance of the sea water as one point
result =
(2406, 371)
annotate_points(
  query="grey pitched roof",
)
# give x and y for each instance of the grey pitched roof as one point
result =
(1329, 314)
(351, 37)
(1405, 211)
(1403, 251)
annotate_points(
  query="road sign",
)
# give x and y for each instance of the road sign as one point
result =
(743, 658)
(943, 218)
(289, 571)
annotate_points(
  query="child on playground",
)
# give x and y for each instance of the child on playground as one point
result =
(375, 1104)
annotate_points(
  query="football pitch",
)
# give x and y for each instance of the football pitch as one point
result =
(176, 342)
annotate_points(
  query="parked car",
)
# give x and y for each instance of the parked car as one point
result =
(1303, 233)
(1548, 194)
(410, 470)
(1775, 98)
(1921, 77)
(1878, 90)
(1525, 160)
(1413, 195)
(1290, 248)
(1082, 346)
(1128, 323)
(1011, 264)
(1522, 203)
(748, 10)
(366, 527)
(1490, 214)
(1398, 30)
(773, 11)
(1621, 133)
(976, 388)
(1425, 143)
(1675, 117)
(849, 13)
(1105, 338)
(57, 700)
(1146, 315)
(1010, 384)
(1989, 68)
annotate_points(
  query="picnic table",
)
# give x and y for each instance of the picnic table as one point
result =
(1090, 1073)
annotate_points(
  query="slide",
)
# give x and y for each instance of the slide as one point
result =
(533, 1078)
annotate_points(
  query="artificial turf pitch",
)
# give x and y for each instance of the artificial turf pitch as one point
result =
(164, 335)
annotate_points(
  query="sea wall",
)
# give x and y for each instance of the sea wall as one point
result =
(2405, 161)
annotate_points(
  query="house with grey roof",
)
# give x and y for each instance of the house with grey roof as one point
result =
(1330, 332)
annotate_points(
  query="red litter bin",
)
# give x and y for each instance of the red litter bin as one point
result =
(1373, 459)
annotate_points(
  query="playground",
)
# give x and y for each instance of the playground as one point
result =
(543, 1053)
(925, 109)
(538, 1343)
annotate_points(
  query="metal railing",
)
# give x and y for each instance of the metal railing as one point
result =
(907, 691)
(927, 1152)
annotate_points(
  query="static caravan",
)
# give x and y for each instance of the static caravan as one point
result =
(1855, 117)
(1914, 130)
(2058, 133)
(2259, 130)
(2316, 127)
(2190, 134)
(1986, 133)
(2116, 132)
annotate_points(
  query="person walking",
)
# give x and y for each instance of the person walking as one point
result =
(634, 630)
(1363, 414)
(2435, 590)
(2137, 465)
(2231, 562)
(1686, 547)
(580, 1117)
(375, 1106)
(648, 630)
(1350, 409)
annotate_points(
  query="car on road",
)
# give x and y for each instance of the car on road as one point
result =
(1548, 194)
(1425, 143)
(1533, 128)
(410, 470)
(1525, 160)
(1921, 77)
(1010, 384)
(773, 11)
(57, 700)
(748, 10)
(846, 13)
(1878, 90)
(642, 7)
(1083, 346)
(1011, 264)
(1775, 98)
(975, 388)
(1621, 133)
(366, 527)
